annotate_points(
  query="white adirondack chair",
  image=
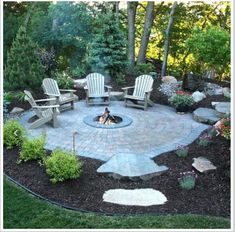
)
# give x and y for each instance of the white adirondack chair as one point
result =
(45, 113)
(141, 94)
(96, 90)
(51, 89)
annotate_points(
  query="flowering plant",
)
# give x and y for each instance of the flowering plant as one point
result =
(224, 127)
(182, 151)
(187, 180)
(205, 139)
(181, 99)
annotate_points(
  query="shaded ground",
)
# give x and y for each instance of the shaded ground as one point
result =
(211, 195)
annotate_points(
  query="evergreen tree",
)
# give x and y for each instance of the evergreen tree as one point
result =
(108, 48)
(23, 69)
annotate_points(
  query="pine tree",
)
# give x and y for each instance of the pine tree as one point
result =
(23, 69)
(108, 48)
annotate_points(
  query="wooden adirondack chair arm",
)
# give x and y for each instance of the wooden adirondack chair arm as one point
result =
(46, 107)
(130, 87)
(52, 94)
(46, 99)
(68, 90)
(149, 91)
(109, 87)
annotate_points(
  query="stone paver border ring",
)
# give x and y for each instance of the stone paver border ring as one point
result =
(89, 120)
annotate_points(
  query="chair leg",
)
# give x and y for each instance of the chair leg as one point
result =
(39, 122)
(54, 119)
(72, 105)
(145, 105)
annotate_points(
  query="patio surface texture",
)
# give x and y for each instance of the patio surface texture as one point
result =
(151, 133)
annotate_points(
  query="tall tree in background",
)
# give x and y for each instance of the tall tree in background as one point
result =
(23, 68)
(166, 42)
(108, 47)
(131, 11)
(149, 17)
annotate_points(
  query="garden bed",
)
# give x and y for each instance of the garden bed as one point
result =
(211, 195)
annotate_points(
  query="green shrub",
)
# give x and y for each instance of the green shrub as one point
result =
(143, 68)
(205, 139)
(63, 79)
(79, 71)
(13, 134)
(33, 149)
(182, 151)
(187, 180)
(62, 165)
(181, 99)
(120, 79)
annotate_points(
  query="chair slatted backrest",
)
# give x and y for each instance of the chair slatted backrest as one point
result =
(28, 97)
(95, 84)
(143, 83)
(50, 86)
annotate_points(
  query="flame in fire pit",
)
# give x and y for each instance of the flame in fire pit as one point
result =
(106, 118)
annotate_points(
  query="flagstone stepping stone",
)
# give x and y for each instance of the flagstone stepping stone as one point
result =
(206, 115)
(133, 166)
(222, 108)
(17, 110)
(202, 164)
(136, 197)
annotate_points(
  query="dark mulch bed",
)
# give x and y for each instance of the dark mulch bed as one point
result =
(211, 195)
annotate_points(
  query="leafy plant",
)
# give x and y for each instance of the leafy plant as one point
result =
(181, 99)
(62, 165)
(63, 79)
(182, 151)
(187, 180)
(120, 79)
(205, 139)
(79, 71)
(6, 101)
(13, 134)
(33, 149)
(224, 127)
(143, 68)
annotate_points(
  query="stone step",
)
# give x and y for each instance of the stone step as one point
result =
(135, 197)
(132, 166)
(206, 115)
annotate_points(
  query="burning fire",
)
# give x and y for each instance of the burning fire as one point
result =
(106, 118)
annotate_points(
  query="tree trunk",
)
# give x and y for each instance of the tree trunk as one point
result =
(149, 17)
(166, 42)
(131, 10)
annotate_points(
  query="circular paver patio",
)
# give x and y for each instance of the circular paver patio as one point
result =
(151, 133)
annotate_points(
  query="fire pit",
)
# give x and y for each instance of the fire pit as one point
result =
(107, 120)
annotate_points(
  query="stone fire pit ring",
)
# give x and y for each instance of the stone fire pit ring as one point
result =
(90, 120)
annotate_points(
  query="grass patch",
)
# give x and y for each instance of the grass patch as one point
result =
(22, 210)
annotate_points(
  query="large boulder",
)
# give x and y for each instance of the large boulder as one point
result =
(80, 83)
(198, 96)
(206, 115)
(169, 80)
(223, 108)
(213, 89)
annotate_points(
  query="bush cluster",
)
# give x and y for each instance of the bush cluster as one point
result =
(13, 134)
(63, 79)
(181, 99)
(33, 149)
(63, 165)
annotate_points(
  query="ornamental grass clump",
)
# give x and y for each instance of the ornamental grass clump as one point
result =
(62, 165)
(205, 139)
(182, 150)
(187, 180)
(33, 149)
(181, 100)
(13, 134)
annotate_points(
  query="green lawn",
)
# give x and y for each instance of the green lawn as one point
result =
(22, 210)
